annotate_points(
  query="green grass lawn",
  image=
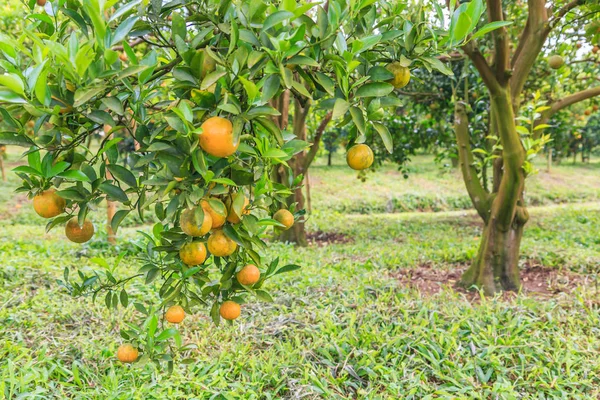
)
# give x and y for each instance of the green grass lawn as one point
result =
(431, 187)
(341, 327)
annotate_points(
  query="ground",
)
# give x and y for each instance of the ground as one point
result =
(369, 316)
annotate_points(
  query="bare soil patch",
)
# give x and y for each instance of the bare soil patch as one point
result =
(537, 280)
(320, 238)
(14, 206)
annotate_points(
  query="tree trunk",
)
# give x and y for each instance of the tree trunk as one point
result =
(297, 233)
(496, 266)
(111, 210)
(503, 213)
(549, 160)
(2, 167)
(329, 159)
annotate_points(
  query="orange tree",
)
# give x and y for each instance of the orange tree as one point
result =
(196, 85)
(505, 62)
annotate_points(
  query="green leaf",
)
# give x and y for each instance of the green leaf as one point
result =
(379, 73)
(374, 89)
(302, 60)
(287, 268)
(264, 295)
(124, 28)
(276, 18)
(114, 104)
(74, 175)
(491, 27)
(339, 108)
(122, 174)
(359, 119)
(385, 136)
(13, 82)
(118, 218)
(114, 192)
(101, 117)
(270, 87)
(15, 139)
(178, 26)
(83, 95)
(211, 79)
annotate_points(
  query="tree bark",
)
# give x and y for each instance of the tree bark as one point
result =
(496, 266)
(297, 233)
(503, 213)
(2, 167)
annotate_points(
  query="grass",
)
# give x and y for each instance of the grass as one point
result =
(430, 187)
(341, 327)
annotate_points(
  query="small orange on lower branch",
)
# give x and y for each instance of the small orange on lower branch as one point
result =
(175, 314)
(248, 275)
(48, 204)
(360, 157)
(284, 217)
(193, 253)
(127, 353)
(79, 234)
(230, 310)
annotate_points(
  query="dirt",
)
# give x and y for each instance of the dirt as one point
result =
(537, 280)
(15, 205)
(320, 238)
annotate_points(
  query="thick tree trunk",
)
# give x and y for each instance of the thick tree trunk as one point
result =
(496, 266)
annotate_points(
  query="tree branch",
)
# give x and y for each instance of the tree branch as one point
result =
(568, 101)
(479, 196)
(482, 66)
(562, 12)
(310, 156)
(529, 47)
(500, 40)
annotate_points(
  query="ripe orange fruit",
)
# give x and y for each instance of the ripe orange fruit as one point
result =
(555, 61)
(175, 314)
(123, 57)
(595, 107)
(230, 310)
(190, 225)
(220, 245)
(217, 211)
(217, 137)
(231, 214)
(41, 3)
(401, 74)
(359, 157)
(127, 353)
(193, 253)
(248, 275)
(48, 204)
(79, 234)
(285, 217)
(595, 49)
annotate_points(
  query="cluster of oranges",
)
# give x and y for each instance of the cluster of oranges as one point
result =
(48, 204)
(216, 139)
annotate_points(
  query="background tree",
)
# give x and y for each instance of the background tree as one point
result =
(505, 64)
